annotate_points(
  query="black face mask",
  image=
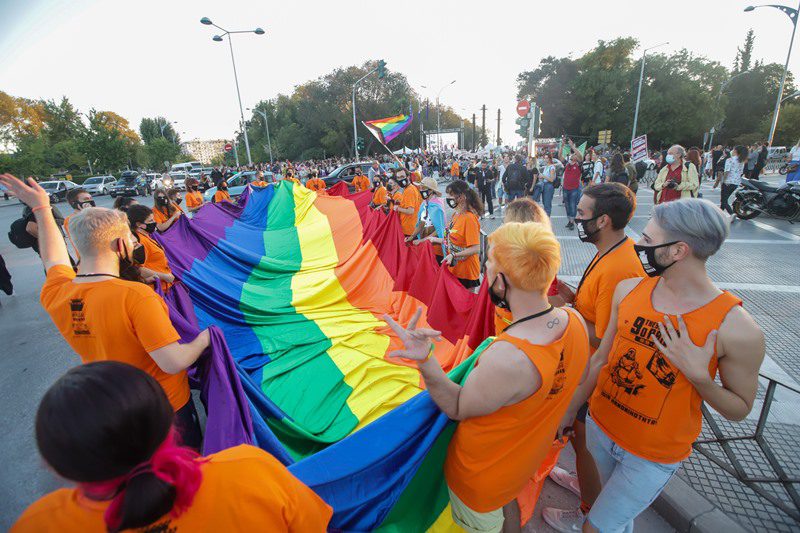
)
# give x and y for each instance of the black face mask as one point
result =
(150, 227)
(178, 201)
(194, 187)
(498, 300)
(403, 182)
(647, 256)
(376, 184)
(583, 231)
(161, 200)
(452, 203)
(84, 205)
(138, 255)
(425, 194)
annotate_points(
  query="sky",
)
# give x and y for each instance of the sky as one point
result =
(146, 58)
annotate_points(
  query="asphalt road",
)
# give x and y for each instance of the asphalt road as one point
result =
(34, 354)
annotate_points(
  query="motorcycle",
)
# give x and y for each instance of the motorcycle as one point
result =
(788, 167)
(754, 197)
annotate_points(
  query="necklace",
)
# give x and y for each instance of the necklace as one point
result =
(530, 317)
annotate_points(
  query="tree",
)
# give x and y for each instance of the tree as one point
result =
(744, 55)
(109, 142)
(159, 150)
(150, 129)
(787, 131)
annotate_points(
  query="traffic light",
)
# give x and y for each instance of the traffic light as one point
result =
(524, 124)
(381, 68)
(360, 144)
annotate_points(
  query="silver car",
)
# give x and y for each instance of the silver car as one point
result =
(98, 185)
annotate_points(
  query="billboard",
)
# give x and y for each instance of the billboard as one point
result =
(639, 148)
(449, 140)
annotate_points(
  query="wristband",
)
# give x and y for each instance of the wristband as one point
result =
(38, 207)
(430, 353)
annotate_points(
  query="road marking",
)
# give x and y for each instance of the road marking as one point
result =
(792, 289)
(776, 231)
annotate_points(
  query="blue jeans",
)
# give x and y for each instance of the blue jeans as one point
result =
(547, 196)
(630, 483)
(513, 194)
(536, 193)
(571, 198)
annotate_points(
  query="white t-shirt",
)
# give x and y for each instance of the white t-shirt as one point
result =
(733, 171)
(597, 177)
(794, 153)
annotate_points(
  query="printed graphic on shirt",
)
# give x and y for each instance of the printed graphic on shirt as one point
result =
(163, 527)
(559, 379)
(641, 378)
(79, 326)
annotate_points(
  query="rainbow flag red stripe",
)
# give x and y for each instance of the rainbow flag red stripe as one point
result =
(386, 129)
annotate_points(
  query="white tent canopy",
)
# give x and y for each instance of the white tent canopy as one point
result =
(405, 150)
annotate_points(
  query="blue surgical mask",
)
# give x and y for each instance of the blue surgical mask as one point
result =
(670, 159)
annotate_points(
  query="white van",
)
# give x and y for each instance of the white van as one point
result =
(186, 167)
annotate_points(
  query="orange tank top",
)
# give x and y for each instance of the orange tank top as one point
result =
(641, 401)
(492, 457)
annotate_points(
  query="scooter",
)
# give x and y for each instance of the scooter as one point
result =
(754, 197)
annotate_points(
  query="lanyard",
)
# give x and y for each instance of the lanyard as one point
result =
(529, 317)
(95, 274)
(594, 264)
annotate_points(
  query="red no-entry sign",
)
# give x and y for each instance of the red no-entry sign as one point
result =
(228, 147)
(523, 108)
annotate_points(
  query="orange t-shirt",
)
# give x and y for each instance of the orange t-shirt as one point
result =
(315, 184)
(243, 489)
(259, 183)
(595, 294)
(221, 196)
(490, 458)
(642, 402)
(114, 320)
(379, 196)
(155, 259)
(465, 231)
(159, 215)
(194, 199)
(361, 183)
(413, 199)
(455, 170)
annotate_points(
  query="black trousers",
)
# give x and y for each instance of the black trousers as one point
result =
(725, 194)
(187, 423)
(485, 191)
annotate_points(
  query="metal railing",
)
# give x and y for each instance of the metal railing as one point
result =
(733, 465)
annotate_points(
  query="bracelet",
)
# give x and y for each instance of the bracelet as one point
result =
(430, 353)
(38, 207)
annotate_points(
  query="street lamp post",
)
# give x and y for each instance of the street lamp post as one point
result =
(266, 126)
(639, 91)
(219, 38)
(355, 131)
(792, 14)
(163, 126)
(438, 118)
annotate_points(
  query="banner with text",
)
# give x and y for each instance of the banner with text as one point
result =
(639, 148)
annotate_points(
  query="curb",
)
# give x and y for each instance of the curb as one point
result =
(688, 511)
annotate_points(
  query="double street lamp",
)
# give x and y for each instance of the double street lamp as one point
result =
(792, 14)
(639, 92)
(219, 38)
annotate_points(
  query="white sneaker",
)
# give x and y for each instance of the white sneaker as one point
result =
(566, 480)
(564, 521)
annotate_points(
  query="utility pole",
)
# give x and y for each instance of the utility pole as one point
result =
(473, 132)
(498, 127)
(483, 122)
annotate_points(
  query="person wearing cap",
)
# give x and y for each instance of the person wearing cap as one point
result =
(431, 221)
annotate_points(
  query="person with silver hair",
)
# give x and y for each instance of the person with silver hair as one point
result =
(678, 178)
(670, 334)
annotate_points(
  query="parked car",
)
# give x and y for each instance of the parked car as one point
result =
(346, 173)
(57, 189)
(186, 167)
(99, 185)
(237, 183)
(130, 183)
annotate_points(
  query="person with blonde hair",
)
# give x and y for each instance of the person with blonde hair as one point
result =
(103, 317)
(511, 404)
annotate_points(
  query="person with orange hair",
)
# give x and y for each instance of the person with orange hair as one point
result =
(511, 404)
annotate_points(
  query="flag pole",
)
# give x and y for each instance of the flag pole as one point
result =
(380, 141)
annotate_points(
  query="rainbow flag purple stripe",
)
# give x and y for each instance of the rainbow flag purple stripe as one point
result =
(386, 129)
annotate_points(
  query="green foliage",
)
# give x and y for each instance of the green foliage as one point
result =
(788, 131)
(597, 91)
(150, 129)
(159, 150)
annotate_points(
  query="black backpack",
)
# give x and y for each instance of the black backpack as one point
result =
(19, 236)
(514, 177)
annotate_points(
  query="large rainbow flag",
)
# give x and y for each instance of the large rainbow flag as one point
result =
(298, 283)
(386, 129)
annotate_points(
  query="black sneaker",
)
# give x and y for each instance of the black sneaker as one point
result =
(571, 226)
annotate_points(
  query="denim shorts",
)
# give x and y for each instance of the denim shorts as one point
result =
(630, 483)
